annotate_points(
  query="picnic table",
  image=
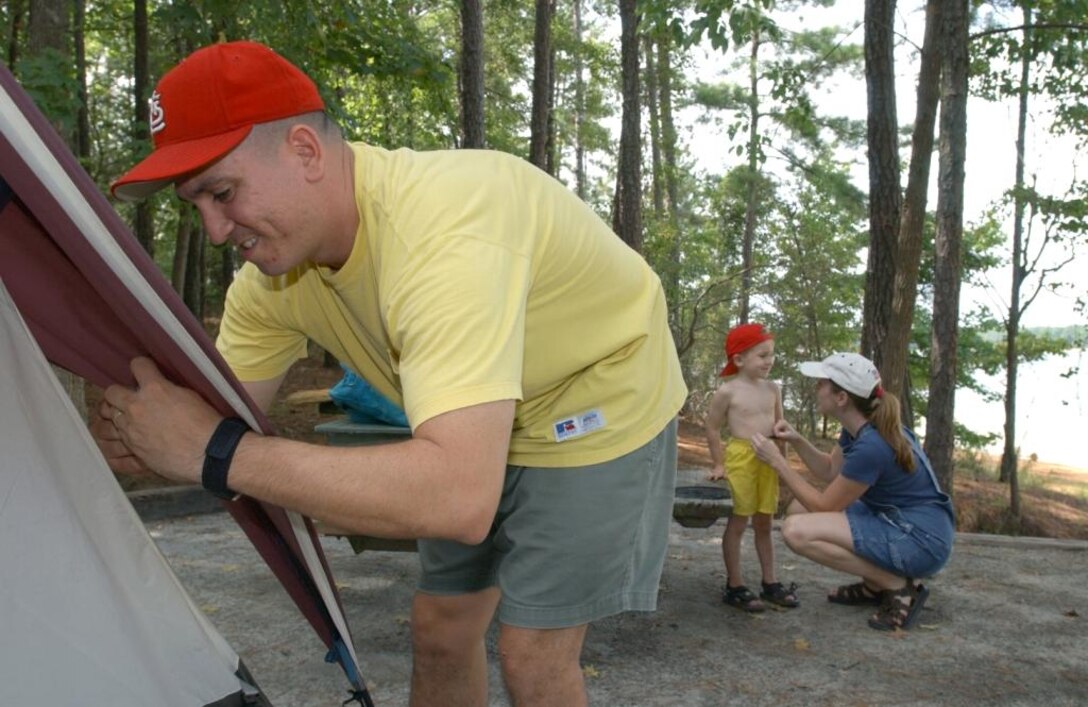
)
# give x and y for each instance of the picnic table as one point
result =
(696, 505)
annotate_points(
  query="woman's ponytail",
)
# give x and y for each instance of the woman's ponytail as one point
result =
(882, 410)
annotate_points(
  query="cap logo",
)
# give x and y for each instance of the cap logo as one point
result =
(156, 118)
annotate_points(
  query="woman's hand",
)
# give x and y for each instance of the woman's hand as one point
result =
(767, 449)
(784, 431)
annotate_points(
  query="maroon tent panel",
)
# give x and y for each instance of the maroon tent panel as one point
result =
(87, 321)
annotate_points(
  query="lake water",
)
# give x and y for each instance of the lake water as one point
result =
(1051, 411)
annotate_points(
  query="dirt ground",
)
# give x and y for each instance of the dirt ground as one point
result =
(1004, 625)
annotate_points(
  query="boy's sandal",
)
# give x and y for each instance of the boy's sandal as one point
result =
(742, 598)
(855, 594)
(901, 608)
(781, 595)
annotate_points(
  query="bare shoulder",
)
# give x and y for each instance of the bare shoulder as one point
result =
(720, 401)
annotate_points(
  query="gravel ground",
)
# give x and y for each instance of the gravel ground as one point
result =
(1004, 624)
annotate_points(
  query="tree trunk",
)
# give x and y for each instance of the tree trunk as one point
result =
(671, 170)
(144, 225)
(542, 83)
(226, 270)
(894, 361)
(472, 74)
(551, 166)
(940, 440)
(193, 295)
(657, 187)
(17, 8)
(579, 107)
(753, 171)
(83, 120)
(1010, 455)
(627, 210)
(181, 247)
(884, 194)
(48, 27)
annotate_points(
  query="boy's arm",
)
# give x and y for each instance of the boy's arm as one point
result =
(715, 418)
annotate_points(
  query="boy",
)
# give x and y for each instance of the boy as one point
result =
(747, 403)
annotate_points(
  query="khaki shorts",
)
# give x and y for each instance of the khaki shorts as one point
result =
(570, 545)
(753, 484)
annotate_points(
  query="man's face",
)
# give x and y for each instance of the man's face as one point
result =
(251, 200)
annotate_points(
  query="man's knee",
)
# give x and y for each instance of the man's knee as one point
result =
(447, 625)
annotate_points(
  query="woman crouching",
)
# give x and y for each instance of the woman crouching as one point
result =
(883, 517)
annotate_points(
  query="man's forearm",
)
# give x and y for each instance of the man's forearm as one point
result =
(403, 490)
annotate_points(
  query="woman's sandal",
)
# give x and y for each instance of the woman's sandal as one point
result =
(900, 609)
(856, 594)
(742, 598)
(781, 595)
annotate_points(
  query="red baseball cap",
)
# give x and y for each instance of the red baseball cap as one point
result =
(205, 106)
(740, 339)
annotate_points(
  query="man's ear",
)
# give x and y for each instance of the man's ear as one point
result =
(306, 146)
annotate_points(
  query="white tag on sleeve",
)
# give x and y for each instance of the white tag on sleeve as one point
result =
(578, 425)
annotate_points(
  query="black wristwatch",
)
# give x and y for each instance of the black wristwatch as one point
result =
(218, 455)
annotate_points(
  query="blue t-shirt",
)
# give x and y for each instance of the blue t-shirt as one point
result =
(869, 460)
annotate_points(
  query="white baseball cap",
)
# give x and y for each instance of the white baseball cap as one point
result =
(850, 371)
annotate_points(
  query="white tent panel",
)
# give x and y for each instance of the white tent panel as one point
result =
(90, 613)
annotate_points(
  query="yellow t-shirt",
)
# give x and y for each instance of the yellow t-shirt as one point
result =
(476, 277)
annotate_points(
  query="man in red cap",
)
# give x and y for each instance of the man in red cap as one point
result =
(747, 404)
(526, 343)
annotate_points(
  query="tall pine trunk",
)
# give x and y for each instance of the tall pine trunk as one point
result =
(579, 106)
(750, 206)
(657, 179)
(627, 207)
(144, 225)
(1009, 455)
(542, 85)
(472, 74)
(884, 191)
(894, 363)
(940, 438)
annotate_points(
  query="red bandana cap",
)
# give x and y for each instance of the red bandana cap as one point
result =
(205, 106)
(740, 339)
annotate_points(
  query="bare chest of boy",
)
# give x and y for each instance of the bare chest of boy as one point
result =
(751, 410)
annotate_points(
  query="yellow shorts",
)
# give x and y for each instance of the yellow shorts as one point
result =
(753, 483)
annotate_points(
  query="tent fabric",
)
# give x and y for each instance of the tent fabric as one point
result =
(90, 613)
(93, 300)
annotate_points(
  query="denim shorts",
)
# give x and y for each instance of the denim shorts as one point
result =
(569, 545)
(912, 542)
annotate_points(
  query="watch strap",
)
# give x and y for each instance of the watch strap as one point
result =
(218, 455)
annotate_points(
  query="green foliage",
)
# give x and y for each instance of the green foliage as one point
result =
(49, 80)
(725, 22)
(1057, 50)
(388, 72)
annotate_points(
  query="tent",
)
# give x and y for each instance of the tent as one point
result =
(79, 573)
